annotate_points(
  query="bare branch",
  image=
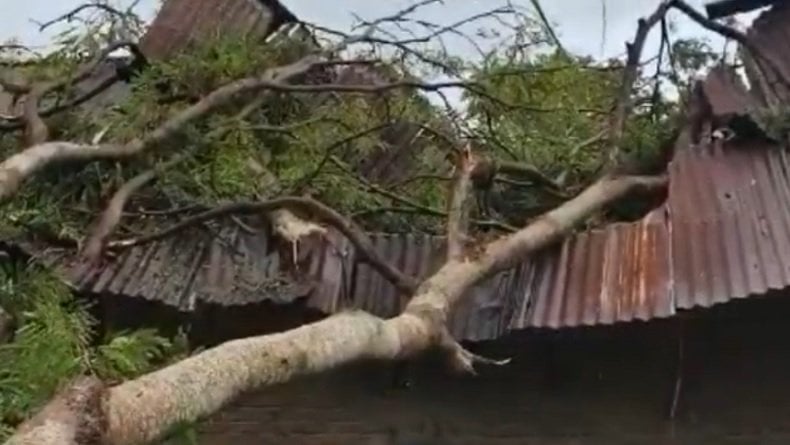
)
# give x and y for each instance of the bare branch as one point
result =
(111, 217)
(622, 106)
(547, 25)
(71, 15)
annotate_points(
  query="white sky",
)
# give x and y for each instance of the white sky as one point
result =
(579, 23)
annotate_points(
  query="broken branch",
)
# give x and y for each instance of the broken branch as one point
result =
(458, 212)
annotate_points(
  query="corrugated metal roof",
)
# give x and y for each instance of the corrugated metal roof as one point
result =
(730, 207)
(232, 268)
(723, 233)
(615, 274)
(180, 23)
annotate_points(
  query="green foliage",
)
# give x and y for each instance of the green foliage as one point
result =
(55, 342)
(561, 105)
(281, 148)
(49, 346)
(575, 100)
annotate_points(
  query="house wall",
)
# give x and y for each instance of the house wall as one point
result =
(589, 386)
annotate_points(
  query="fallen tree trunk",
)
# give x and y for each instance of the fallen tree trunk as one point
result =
(142, 410)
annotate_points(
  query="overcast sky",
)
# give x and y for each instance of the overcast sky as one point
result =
(580, 24)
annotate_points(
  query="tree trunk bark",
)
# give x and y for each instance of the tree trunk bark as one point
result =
(6, 326)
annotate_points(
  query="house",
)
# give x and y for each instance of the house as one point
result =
(618, 335)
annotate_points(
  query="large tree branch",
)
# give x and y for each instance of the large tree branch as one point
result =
(142, 410)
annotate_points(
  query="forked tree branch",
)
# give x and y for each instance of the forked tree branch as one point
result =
(142, 410)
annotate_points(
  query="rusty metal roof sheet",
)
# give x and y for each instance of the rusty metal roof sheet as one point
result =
(614, 274)
(180, 23)
(726, 93)
(232, 268)
(730, 213)
(723, 233)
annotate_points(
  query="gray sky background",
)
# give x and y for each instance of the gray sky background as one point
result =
(579, 23)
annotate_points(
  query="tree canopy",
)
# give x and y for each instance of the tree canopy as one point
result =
(293, 125)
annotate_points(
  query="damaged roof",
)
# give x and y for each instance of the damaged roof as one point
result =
(722, 234)
(178, 24)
